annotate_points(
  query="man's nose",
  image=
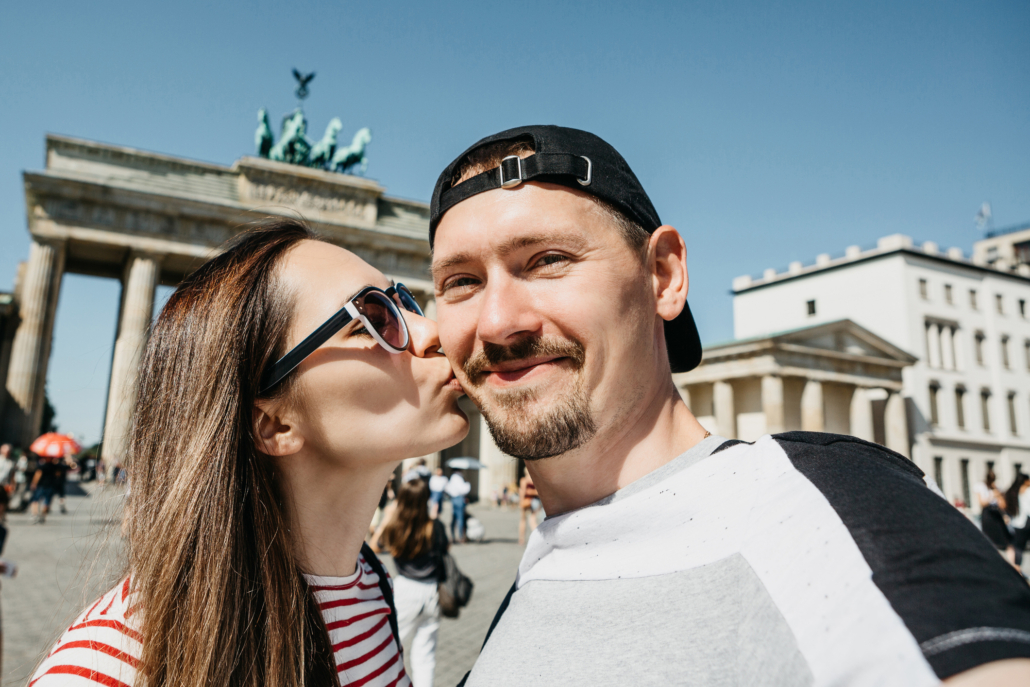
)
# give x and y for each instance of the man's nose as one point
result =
(507, 312)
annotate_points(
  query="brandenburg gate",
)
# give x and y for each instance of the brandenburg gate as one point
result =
(148, 219)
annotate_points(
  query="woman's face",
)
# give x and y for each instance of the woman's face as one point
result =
(354, 400)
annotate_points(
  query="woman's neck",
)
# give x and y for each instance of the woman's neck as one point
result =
(330, 509)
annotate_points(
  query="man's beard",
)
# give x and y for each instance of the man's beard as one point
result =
(563, 426)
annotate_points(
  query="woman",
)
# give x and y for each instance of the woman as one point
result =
(529, 501)
(992, 517)
(1017, 506)
(457, 491)
(417, 544)
(279, 389)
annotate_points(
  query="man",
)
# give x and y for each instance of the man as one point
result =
(44, 484)
(670, 556)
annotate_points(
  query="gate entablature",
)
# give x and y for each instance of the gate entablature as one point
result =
(146, 218)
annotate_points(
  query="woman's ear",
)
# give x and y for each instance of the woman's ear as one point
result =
(273, 435)
(669, 271)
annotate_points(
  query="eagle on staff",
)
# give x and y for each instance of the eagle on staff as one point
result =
(294, 146)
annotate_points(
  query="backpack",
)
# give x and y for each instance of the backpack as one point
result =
(386, 588)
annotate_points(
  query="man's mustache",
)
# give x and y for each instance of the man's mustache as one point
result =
(523, 349)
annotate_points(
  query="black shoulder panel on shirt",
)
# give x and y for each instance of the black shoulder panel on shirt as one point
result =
(961, 601)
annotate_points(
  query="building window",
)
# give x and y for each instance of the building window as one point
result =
(922, 289)
(1005, 352)
(999, 304)
(1012, 413)
(972, 299)
(1022, 307)
(1026, 351)
(979, 348)
(947, 294)
(965, 480)
(1017, 468)
(985, 407)
(811, 307)
(960, 407)
(938, 472)
(934, 389)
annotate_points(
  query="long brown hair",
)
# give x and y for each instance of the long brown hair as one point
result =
(222, 599)
(409, 533)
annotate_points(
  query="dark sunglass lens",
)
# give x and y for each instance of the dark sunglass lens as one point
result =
(385, 319)
(408, 301)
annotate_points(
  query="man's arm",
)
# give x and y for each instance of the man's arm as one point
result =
(35, 478)
(1013, 671)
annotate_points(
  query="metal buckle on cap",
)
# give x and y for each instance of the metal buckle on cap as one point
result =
(590, 166)
(513, 181)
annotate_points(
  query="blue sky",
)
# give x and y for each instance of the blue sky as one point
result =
(765, 132)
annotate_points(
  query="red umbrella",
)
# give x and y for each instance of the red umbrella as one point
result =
(54, 445)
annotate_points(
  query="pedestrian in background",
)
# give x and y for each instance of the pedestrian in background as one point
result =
(1017, 506)
(992, 506)
(43, 488)
(457, 491)
(6, 465)
(418, 471)
(437, 483)
(417, 544)
(529, 501)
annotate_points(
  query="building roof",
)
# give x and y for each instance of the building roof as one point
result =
(885, 247)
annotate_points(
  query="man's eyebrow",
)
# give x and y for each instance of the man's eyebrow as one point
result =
(510, 246)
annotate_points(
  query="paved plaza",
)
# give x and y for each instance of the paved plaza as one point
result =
(73, 558)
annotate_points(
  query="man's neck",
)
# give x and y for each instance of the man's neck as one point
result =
(330, 510)
(662, 429)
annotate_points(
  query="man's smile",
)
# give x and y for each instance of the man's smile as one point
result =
(514, 371)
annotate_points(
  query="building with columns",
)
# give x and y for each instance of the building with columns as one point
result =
(147, 219)
(965, 324)
(834, 377)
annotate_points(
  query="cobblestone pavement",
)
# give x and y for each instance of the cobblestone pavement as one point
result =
(72, 559)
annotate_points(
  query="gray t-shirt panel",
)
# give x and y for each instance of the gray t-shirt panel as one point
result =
(712, 625)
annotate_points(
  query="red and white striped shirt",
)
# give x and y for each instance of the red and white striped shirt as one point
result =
(103, 646)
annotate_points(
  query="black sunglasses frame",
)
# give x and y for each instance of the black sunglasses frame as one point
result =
(354, 309)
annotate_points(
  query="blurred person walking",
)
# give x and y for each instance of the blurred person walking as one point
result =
(437, 483)
(529, 502)
(417, 544)
(1017, 506)
(245, 535)
(992, 506)
(43, 487)
(6, 465)
(457, 490)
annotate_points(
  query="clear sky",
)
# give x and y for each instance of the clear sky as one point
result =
(765, 132)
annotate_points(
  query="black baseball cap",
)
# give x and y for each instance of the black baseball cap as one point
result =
(579, 160)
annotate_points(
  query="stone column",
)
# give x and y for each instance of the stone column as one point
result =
(948, 347)
(862, 415)
(30, 352)
(725, 412)
(772, 404)
(895, 423)
(138, 286)
(430, 308)
(933, 345)
(813, 417)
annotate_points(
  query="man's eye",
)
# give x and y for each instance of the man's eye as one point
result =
(460, 283)
(551, 259)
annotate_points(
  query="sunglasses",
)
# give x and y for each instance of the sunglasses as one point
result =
(375, 308)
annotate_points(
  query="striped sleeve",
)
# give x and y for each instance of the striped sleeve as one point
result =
(102, 646)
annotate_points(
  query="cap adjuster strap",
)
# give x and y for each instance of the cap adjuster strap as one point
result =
(510, 171)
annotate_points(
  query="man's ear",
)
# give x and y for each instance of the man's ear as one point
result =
(273, 435)
(667, 256)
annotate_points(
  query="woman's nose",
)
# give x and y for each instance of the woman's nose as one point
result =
(425, 337)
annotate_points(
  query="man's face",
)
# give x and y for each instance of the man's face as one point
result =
(546, 314)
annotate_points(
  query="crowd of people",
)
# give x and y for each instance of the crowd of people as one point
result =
(1005, 516)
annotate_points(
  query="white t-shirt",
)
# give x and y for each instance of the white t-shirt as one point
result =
(984, 494)
(437, 483)
(457, 486)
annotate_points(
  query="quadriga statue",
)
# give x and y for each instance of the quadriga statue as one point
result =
(354, 154)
